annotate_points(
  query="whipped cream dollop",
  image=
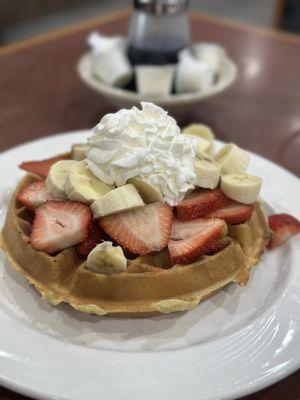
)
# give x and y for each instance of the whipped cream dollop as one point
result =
(144, 142)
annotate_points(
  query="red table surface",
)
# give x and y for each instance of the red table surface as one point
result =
(41, 94)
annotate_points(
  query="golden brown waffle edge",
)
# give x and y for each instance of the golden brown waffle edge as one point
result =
(144, 289)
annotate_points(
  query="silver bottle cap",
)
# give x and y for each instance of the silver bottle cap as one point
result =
(161, 7)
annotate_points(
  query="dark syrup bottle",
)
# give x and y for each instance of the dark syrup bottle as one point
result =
(158, 30)
(144, 56)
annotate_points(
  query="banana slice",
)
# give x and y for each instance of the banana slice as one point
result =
(203, 145)
(207, 171)
(201, 131)
(82, 185)
(149, 192)
(243, 188)
(106, 259)
(121, 199)
(79, 151)
(233, 159)
(56, 179)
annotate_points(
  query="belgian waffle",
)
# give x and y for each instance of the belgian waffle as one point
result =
(149, 286)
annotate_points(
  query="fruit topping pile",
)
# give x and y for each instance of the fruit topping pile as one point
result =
(73, 208)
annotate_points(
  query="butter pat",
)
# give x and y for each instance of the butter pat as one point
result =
(153, 79)
(186, 52)
(193, 76)
(110, 63)
(101, 44)
(210, 54)
(113, 67)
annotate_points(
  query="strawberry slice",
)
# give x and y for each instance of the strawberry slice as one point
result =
(201, 202)
(234, 213)
(283, 226)
(35, 194)
(96, 235)
(59, 224)
(140, 231)
(192, 239)
(40, 168)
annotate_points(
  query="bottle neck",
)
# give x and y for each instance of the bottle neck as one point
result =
(161, 7)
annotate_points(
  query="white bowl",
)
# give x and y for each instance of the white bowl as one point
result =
(176, 104)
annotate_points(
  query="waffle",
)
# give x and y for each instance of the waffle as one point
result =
(149, 286)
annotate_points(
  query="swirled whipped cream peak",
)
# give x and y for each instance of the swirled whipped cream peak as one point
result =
(147, 143)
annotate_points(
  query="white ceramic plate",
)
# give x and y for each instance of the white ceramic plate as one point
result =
(237, 342)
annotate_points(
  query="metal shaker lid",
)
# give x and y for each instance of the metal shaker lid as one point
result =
(161, 7)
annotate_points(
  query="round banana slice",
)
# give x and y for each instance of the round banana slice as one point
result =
(207, 172)
(106, 259)
(82, 185)
(121, 199)
(243, 188)
(150, 193)
(233, 159)
(203, 145)
(199, 130)
(79, 151)
(56, 179)
(202, 132)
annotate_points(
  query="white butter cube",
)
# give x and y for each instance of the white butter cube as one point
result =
(186, 52)
(193, 76)
(112, 67)
(154, 79)
(210, 54)
(101, 44)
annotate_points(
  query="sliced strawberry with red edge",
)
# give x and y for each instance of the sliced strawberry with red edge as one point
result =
(200, 203)
(40, 168)
(234, 213)
(140, 231)
(58, 225)
(283, 226)
(35, 194)
(96, 236)
(193, 239)
(217, 246)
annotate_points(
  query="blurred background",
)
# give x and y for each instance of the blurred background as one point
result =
(22, 19)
